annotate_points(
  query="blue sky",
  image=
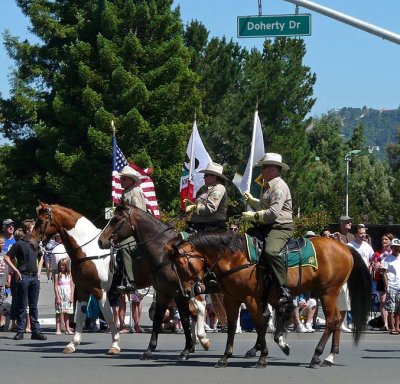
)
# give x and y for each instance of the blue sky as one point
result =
(353, 68)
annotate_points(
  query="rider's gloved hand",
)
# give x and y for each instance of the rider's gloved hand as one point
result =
(250, 200)
(253, 216)
(192, 208)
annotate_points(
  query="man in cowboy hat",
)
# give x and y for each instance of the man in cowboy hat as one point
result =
(209, 209)
(273, 217)
(132, 195)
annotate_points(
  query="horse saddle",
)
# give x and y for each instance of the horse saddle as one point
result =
(298, 251)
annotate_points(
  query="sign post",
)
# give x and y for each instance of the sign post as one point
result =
(274, 25)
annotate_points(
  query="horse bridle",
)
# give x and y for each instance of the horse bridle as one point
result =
(50, 221)
(127, 210)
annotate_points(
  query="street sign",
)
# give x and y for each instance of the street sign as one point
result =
(274, 25)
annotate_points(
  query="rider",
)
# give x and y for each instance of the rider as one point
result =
(132, 195)
(210, 208)
(211, 205)
(273, 217)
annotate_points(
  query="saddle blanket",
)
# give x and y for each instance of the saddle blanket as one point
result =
(306, 253)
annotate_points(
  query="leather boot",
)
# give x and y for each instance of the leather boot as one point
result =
(285, 297)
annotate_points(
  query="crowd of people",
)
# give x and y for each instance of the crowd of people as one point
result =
(271, 217)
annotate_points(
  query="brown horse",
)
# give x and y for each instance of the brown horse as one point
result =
(90, 268)
(226, 256)
(154, 268)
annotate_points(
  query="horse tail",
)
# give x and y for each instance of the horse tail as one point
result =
(359, 285)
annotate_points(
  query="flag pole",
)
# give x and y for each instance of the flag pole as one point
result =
(192, 151)
(114, 154)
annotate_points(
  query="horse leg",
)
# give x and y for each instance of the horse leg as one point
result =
(335, 326)
(328, 303)
(108, 316)
(80, 316)
(231, 306)
(161, 307)
(183, 308)
(255, 308)
(199, 328)
(283, 317)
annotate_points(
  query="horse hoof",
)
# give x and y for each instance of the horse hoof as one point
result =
(68, 350)
(286, 350)
(261, 365)
(183, 356)
(146, 356)
(221, 364)
(206, 344)
(250, 354)
(315, 363)
(326, 363)
(114, 351)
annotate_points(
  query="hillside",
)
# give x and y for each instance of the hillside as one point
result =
(380, 126)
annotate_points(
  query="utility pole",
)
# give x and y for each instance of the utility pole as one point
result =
(354, 22)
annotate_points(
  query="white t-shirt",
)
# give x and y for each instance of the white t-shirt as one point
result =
(392, 264)
(57, 253)
(364, 249)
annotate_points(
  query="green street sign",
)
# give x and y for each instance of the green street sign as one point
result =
(274, 25)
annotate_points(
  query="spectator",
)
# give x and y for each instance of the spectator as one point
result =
(304, 309)
(367, 237)
(344, 235)
(363, 248)
(377, 271)
(326, 233)
(8, 232)
(391, 278)
(234, 228)
(28, 281)
(64, 292)
(136, 308)
(4, 280)
(310, 234)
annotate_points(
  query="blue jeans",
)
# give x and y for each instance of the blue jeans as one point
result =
(28, 294)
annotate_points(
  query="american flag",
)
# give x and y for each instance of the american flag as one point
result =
(147, 185)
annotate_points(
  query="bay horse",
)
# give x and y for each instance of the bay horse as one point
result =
(225, 255)
(89, 264)
(154, 268)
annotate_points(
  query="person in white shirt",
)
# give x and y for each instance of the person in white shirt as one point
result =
(363, 248)
(391, 277)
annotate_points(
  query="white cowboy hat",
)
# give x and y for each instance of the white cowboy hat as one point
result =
(127, 171)
(273, 159)
(214, 169)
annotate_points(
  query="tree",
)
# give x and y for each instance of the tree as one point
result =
(98, 61)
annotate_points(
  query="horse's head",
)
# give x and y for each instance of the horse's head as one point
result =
(119, 228)
(188, 264)
(44, 227)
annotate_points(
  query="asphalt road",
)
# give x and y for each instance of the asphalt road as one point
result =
(377, 359)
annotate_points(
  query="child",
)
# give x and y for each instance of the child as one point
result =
(64, 291)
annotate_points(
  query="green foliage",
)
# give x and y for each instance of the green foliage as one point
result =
(317, 221)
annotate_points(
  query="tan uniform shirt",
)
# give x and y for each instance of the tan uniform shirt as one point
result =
(213, 201)
(134, 196)
(276, 201)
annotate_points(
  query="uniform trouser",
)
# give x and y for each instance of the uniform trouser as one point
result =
(126, 253)
(275, 240)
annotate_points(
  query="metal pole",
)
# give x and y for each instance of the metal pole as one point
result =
(354, 22)
(347, 185)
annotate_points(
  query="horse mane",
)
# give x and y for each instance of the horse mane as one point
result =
(205, 242)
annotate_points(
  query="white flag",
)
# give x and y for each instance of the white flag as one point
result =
(196, 160)
(243, 181)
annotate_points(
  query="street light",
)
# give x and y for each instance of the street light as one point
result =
(347, 158)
